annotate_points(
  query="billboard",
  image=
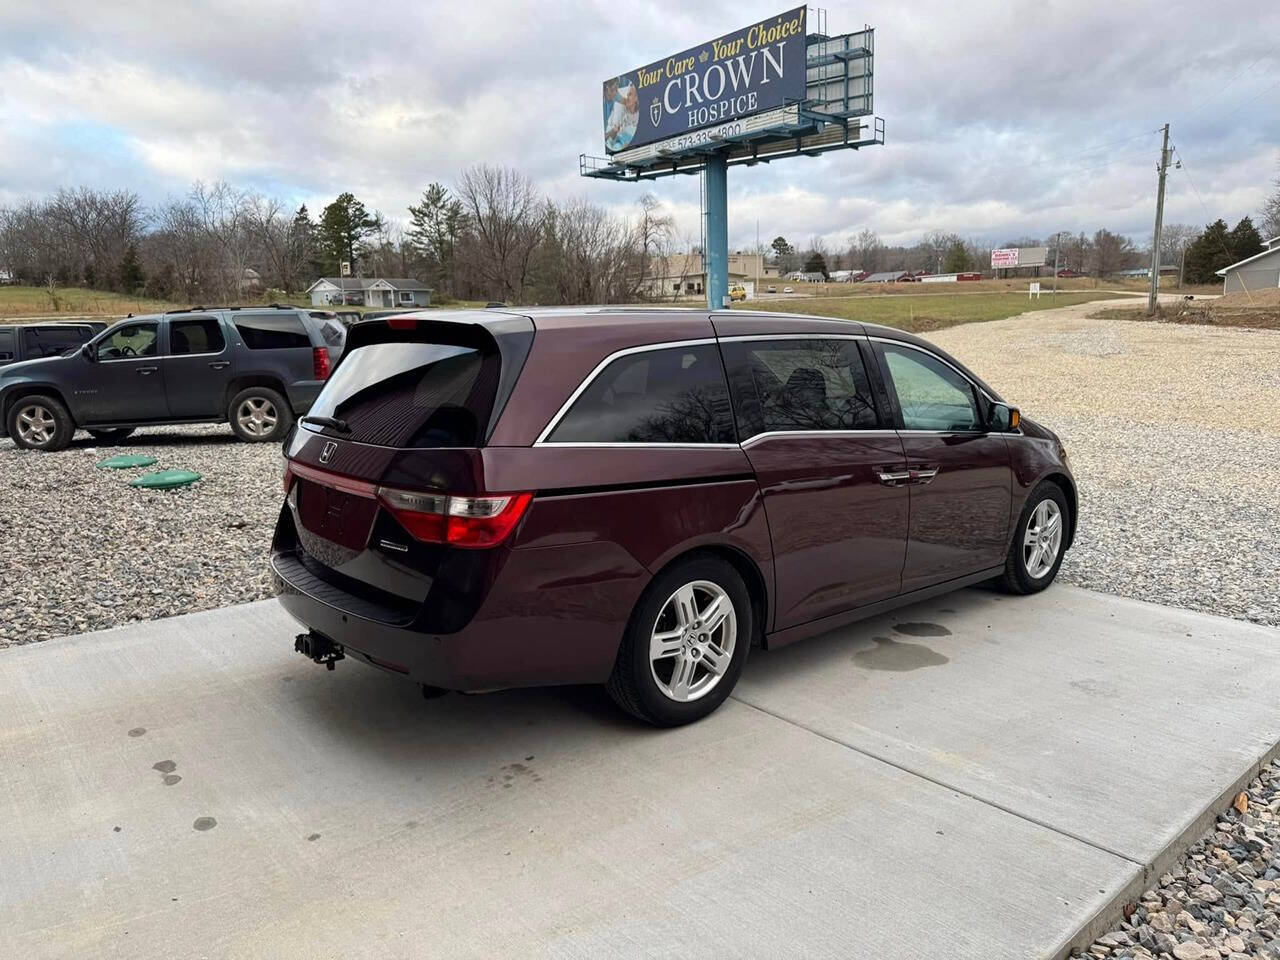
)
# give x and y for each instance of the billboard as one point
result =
(757, 68)
(1007, 258)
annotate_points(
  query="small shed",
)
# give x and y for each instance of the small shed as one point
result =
(1259, 272)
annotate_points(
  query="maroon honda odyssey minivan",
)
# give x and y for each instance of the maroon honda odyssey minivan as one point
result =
(637, 496)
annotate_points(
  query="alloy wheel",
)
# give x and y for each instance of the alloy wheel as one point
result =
(257, 416)
(693, 641)
(1043, 539)
(36, 424)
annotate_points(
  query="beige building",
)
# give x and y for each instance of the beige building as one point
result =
(683, 274)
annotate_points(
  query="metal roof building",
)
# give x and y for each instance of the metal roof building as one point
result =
(1259, 272)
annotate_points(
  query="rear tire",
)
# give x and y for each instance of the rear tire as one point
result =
(697, 616)
(1039, 541)
(40, 422)
(111, 436)
(259, 414)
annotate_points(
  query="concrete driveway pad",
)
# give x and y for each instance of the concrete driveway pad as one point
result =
(191, 787)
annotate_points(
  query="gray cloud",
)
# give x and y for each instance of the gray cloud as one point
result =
(994, 117)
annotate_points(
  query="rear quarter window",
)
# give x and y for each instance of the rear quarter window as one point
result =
(52, 341)
(272, 331)
(669, 395)
(8, 345)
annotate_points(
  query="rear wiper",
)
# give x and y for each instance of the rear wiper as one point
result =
(331, 422)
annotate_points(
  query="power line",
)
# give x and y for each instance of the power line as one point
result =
(1182, 161)
(1097, 146)
(1221, 89)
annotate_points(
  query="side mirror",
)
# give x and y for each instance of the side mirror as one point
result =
(89, 353)
(1004, 418)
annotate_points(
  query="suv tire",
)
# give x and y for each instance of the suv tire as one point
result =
(1039, 541)
(114, 435)
(40, 422)
(680, 687)
(257, 414)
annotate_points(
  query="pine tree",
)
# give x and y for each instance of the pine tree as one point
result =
(436, 224)
(343, 226)
(132, 278)
(1244, 240)
(957, 258)
(816, 263)
(1208, 253)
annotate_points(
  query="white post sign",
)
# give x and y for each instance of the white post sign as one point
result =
(1034, 290)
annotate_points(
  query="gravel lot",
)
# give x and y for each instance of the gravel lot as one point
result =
(1174, 433)
(1174, 438)
(83, 550)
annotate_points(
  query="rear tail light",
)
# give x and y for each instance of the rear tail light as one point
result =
(402, 323)
(320, 362)
(458, 521)
(288, 476)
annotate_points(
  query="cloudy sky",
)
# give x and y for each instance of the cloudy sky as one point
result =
(1003, 120)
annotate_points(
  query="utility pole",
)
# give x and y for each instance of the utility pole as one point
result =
(1155, 243)
(1057, 249)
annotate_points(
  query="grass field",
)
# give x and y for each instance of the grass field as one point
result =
(73, 302)
(924, 312)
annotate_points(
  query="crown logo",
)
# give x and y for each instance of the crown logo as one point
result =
(703, 57)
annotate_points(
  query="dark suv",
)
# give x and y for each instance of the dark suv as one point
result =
(496, 498)
(253, 366)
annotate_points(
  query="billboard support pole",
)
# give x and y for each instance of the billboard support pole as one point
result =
(717, 252)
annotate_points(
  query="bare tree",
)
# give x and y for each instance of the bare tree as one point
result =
(1269, 216)
(225, 215)
(504, 226)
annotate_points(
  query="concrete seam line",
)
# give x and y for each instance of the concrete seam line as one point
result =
(942, 783)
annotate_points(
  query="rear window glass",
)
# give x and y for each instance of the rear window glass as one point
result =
(7, 344)
(674, 395)
(51, 341)
(272, 331)
(412, 394)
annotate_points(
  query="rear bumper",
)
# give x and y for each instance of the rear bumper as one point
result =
(532, 628)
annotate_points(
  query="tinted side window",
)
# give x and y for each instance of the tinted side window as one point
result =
(8, 344)
(932, 396)
(128, 341)
(195, 335)
(272, 331)
(51, 341)
(797, 385)
(673, 395)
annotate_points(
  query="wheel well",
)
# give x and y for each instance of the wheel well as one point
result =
(242, 383)
(1069, 491)
(751, 576)
(30, 391)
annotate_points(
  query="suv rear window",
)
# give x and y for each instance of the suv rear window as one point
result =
(272, 331)
(412, 394)
(51, 341)
(7, 344)
(672, 395)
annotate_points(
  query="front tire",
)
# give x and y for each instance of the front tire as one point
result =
(40, 423)
(258, 414)
(1039, 541)
(685, 644)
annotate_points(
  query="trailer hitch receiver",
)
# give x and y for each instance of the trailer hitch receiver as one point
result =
(318, 648)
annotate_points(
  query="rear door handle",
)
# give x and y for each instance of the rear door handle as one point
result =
(893, 478)
(922, 475)
(147, 370)
(219, 364)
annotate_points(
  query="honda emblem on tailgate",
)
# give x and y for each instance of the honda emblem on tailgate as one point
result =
(327, 452)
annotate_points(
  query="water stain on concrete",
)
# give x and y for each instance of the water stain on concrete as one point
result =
(165, 766)
(204, 823)
(170, 779)
(1097, 688)
(898, 657)
(922, 629)
(137, 731)
(314, 836)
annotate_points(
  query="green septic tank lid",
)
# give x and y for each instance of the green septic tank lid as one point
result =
(123, 460)
(165, 479)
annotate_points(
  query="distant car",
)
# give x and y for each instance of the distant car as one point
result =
(255, 367)
(31, 341)
(771, 289)
(737, 292)
(788, 289)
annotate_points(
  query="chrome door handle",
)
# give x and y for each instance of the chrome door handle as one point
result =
(144, 371)
(923, 476)
(219, 364)
(894, 478)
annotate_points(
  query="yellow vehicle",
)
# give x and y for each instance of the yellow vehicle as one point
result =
(737, 292)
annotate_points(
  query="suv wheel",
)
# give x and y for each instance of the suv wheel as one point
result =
(685, 645)
(111, 436)
(40, 423)
(1037, 548)
(259, 413)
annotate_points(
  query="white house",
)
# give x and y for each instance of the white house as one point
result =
(369, 292)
